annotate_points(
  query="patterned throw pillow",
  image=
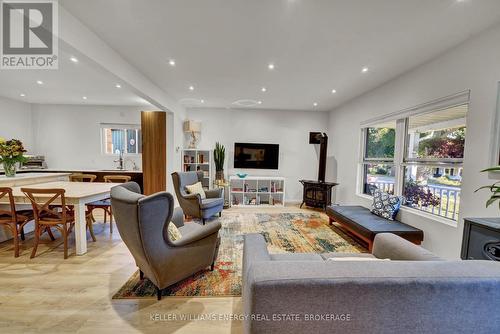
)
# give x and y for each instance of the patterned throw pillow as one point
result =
(385, 205)
(196, 188)
(173, 232)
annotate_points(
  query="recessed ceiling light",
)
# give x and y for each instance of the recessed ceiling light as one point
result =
(74, 59)
(270, 66)
(334, 91)
(259, 102)
(191, 87)
(364, 69)
(22, 95)
(263, 89)
(84, 97)
(315, 104)
(118, 86)
(202, 101)
(171, 62)
(40, 82)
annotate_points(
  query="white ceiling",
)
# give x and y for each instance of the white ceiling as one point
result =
(223, 47)
(67, 85)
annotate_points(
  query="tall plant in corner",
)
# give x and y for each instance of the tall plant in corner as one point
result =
(219, 156)
(494, 188)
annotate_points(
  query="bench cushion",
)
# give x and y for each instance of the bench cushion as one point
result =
(362, 221)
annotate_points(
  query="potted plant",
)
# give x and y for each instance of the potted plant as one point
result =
(494, 188)
(219, 156)
(11, 154)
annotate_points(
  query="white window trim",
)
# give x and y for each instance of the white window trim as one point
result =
(124, 126)
(401, 117)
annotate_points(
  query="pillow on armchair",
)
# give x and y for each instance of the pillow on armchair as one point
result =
(196, 188)
(385, 205)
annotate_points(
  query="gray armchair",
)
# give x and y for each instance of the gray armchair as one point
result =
(142, 222)
(192, 204)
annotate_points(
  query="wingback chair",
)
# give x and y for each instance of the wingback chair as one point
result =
(142, 222)
(192, 204)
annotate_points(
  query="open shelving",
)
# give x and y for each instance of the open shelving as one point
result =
(198, 160)
(257, 190)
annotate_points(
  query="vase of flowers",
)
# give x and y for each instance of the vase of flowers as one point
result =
(11, 154)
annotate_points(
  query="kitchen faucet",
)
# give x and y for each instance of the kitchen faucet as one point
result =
(120, 161)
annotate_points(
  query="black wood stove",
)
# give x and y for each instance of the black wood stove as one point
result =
(318, 194)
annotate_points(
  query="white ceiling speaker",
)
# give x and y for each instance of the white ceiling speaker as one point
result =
(246, 103)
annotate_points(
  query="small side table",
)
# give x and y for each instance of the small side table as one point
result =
(224, 185)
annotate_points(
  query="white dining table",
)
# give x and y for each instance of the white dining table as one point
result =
(77, 194)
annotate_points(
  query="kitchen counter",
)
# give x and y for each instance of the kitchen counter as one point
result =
(22, 179)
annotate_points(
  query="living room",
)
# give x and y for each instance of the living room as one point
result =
(253, 167)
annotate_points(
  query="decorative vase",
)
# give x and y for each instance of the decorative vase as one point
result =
(219, 175)
(9, 168)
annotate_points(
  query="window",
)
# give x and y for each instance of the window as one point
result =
(118, 139)
(378, 158)
(418, 155)
(433, 161)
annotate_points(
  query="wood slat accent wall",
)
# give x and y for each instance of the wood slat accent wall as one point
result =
(154, 151)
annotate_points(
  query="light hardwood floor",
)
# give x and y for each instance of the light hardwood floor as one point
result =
(48, 294)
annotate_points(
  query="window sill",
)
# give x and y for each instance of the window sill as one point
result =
(419, 213)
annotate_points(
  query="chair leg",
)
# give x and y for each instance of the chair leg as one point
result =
(22, 234)
(158, 293)
(90, 226)
(35, 242)
(220, 214)
(204, 220)
(49, 232)
(105, 215)
(110, 220)
(15, 234)
(65, 238)
(141, 275)
(212, 266)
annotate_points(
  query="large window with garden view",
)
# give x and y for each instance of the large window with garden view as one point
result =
(419, 157)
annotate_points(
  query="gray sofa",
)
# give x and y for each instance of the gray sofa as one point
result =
(415, 292)
(192, 204)
(142, 223)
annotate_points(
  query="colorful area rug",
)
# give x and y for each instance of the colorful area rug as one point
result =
(284, 233)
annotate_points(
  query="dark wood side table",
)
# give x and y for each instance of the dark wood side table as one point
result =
(481, 239)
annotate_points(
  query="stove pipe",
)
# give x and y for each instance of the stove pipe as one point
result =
(322, 139)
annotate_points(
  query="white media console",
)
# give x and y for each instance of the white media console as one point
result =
(257, 190)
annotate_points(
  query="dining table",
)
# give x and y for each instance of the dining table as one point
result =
(77, 194)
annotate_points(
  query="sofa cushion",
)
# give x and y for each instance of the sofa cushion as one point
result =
(365, 223)
(296, 257)
(211, 203)
(327, 256)
(385, 205)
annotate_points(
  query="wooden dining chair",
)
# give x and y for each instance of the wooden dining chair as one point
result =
(48, 216)
(82, 177)
(105, 204)
(14, 219)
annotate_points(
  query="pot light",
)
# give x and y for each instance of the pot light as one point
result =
(259, 102)
(334, 91)
(263, 89)
(202, 101)
(22, 95)
(74, 59)
(171, 62)
(270, 66)
(191, 87)
(40, 82)
(315, 104)
(118, 86)
(84, 97)
(364, 69)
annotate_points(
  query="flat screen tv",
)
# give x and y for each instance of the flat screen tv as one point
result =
(256, 156)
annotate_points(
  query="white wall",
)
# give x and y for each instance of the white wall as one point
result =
(15, 122)
(289, 129)
(69, 135)
(474, 65)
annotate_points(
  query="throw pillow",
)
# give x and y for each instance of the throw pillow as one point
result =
(173, 232)
(196, 188)
(385, 205)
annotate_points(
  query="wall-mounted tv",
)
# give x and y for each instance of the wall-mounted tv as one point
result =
(256, 156)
